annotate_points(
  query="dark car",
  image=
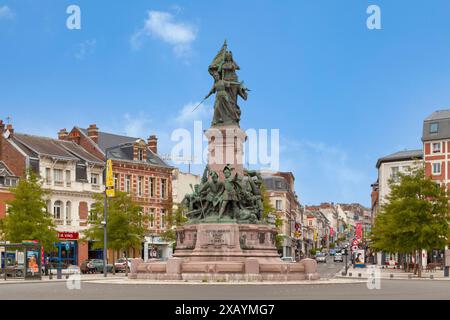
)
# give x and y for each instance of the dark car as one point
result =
(95, 266)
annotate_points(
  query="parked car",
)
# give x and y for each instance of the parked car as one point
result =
(122, 265)
(288, 259)
(332, 252)
(95, 266)
(320, 257)
(338, 258)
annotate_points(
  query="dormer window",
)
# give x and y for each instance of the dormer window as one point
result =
(140, 154)
(434, 127)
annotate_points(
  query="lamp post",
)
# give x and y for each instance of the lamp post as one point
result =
(105, 218)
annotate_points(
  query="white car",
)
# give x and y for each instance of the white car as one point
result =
(320, 257)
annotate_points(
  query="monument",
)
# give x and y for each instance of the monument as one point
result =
(226, 236)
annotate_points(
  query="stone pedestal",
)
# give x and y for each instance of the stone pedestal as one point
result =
(226, 146)
(223, 252)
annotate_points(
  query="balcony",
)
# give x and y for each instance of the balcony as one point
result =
(59, 222)
(59, 183)
(95, 187)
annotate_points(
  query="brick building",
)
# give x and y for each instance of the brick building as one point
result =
(7, 181)
(69, 173)
(137, 170)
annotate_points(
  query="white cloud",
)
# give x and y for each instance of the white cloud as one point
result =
(85, 48)
(6, 13)
(136, 126)
(162, 25)
(324, 172)
(188, 116)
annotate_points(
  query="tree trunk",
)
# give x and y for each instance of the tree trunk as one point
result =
(114, 262)
(420, 264)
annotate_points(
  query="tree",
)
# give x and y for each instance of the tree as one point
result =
(174, 219)
(28, 217)
(125, 227)
(269, 209)
(415, 216)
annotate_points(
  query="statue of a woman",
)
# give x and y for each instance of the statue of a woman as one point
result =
(225, 111)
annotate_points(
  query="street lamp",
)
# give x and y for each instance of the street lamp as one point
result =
(105, 221)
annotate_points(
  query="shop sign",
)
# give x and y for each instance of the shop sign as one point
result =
(68, 235)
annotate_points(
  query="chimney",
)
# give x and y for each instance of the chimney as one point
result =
(152, 143)
(63, 134)
(93, 132)
(9, 127)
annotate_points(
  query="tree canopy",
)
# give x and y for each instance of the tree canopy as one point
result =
(415, 215)
(28, 217)
(125, 226)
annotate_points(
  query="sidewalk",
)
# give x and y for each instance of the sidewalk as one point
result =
(83, 277)
(389, 273)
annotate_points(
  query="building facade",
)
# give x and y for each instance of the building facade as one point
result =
(70, 174)
(7, 180)
(139, 171)
(389, 168)
(280, 189)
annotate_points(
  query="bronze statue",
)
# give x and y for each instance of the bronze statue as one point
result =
(227, 88)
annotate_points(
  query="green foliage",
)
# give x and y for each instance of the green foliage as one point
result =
(125, 227)
(28, 218)
(415, 216)
(279, 241)
(267, 205)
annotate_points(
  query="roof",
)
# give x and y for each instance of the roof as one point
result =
(439, 115)
(35, 146)
(121, 148)
(401, 156)
(109, 140)
(275, 183)
(5, 171)
(441, 131)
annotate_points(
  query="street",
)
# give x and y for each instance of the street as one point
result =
(329, 269)
(390, 289)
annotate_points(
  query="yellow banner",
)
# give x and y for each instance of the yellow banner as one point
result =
(110, 192)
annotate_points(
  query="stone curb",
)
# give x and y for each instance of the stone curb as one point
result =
(264, 283)
(3, 282)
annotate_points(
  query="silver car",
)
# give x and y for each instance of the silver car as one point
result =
(320, 257)
(338, 258)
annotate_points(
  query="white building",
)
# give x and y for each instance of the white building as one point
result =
(72, 176)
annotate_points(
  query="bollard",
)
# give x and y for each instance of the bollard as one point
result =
(391, 276)
(431, 276)
(350, 274)
(409, 276)
(343, 273)
(359, 275)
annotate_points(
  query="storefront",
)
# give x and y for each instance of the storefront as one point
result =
(66, 253)
(156, 248)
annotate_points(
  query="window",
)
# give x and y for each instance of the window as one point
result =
(278, 205)
(68, 178)
(95, 179)
(163, 188)
(152, 187)
(394, 173)
(116, 182)
(57, 210)
(68, 213)
(48, 177)
(58, 175)
(152, 217)
(163, 218)
(140, 154)
(436, 168)
(139, 186)
(128, 184)
(437, 147)
(406, 169)
(434, 127)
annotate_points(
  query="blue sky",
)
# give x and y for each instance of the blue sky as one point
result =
(342, 95)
